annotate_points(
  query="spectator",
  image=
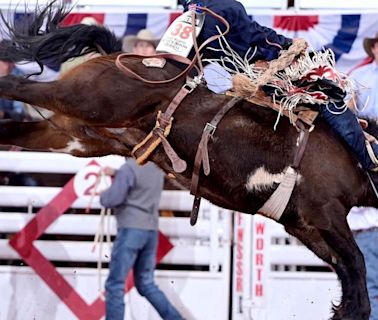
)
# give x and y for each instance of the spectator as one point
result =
(135, 196)
(364, 224)
(366, 78)
(144, 43)
(10, 109)
(364, 221)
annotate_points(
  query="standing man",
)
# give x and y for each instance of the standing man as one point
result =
(364, 224)
(364, 221)
(135, 196)
(366, 78)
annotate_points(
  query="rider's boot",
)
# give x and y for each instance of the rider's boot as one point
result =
(345, 123)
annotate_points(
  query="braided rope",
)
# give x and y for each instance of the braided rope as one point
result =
(243, 85)
(141, 160)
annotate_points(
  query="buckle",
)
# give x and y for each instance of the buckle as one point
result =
(189, 87)
(192, 83)
(210, 128)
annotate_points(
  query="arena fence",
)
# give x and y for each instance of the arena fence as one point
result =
(251, 270)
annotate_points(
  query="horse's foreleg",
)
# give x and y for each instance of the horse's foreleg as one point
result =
(56, 135)
(33, 135)
(55, 96)
(28, 91)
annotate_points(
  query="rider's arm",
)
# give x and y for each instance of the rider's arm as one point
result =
(244, 33)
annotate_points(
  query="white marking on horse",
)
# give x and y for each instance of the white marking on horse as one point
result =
(261, 179)
(73, 145)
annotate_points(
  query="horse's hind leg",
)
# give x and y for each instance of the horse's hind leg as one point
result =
(350, 267)
(326, 233)
(311, 238)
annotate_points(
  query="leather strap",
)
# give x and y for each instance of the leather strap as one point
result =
(202, 156)
(302, 144)
(157, 134)
(175, 57)
(178, 164)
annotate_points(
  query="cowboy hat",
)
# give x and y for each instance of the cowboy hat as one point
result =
(129, 42)
(369, 43)
(89, 21)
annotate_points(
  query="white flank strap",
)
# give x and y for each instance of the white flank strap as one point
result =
(276, 204)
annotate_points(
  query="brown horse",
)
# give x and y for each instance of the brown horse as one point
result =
(98, 111)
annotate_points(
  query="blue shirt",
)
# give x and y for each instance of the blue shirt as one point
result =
(135, 195)
(244, 33)
(366, 79)
(116, 195)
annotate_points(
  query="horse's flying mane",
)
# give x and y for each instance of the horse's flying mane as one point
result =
(40, 37)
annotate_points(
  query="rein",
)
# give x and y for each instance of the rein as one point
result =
(175, 57)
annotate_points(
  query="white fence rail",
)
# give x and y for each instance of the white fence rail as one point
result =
(48, 162)
(192, 246)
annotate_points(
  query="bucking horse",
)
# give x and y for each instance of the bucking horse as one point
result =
(98, 110)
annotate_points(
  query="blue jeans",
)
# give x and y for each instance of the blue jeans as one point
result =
(135, 248)
(348, 128)
(368, 244)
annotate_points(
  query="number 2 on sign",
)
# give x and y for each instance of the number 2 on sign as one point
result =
(88, 181)
(182, 31)
(91, 190)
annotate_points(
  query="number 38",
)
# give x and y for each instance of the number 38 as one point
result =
(182, 31)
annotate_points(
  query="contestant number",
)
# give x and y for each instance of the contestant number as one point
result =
(89, 182)
(183, 31)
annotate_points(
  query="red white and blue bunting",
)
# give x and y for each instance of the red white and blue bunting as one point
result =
(343, 33)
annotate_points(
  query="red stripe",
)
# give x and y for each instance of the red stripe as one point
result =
(23, 240)
(363, 63)
(173, 16)
(61, 287)
(76, 18)
(295, 23)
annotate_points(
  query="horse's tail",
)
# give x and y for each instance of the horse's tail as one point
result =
(40, 37)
